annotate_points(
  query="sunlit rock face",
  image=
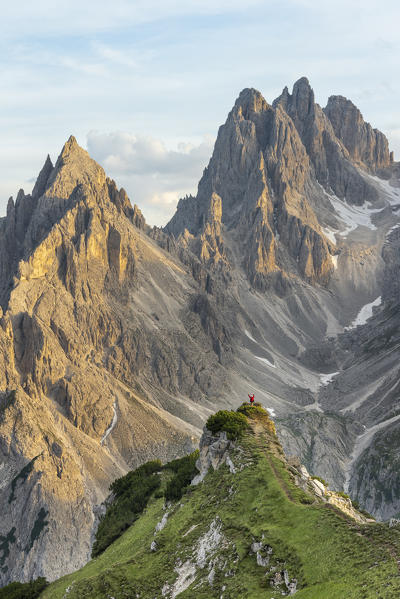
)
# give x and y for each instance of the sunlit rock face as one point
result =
(117, 340)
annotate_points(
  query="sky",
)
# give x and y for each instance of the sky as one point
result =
(144, 85)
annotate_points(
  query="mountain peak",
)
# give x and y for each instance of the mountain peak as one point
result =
(300, 103)
(43, 177)
(74, 166)
(71, 143)
(302, 82)
(251, 100)
(365, 145)
(303, 97)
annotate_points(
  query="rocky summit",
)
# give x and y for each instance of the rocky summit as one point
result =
(118, 340)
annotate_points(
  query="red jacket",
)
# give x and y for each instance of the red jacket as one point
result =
(251, 397)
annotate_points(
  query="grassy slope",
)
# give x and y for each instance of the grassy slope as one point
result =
(332, 557)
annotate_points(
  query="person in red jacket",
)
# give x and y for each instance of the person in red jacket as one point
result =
(251, 398)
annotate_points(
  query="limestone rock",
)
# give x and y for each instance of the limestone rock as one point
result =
(260, 188)
(44, 175)
(366, 146)
(214, 451)
(330, 158)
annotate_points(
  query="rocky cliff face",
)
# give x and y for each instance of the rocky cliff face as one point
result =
(366, 146)
(331, 159)
(266, 169)
(88, 372)
(117, 340)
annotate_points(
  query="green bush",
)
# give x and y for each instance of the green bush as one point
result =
(26, 590)
(184, 469)
(249, 409)
(233, 423)
(132, 492)
(121, 485)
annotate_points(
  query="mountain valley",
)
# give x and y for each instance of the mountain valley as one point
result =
(118, 340)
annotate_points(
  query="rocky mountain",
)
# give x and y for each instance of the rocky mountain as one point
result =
(252, 524)
(117, 340)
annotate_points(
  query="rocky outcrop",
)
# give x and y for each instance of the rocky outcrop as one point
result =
(366, 146)
(376, 482)
(321, 490)
(214, 451)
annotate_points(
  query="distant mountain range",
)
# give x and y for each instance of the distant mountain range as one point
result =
(118, 340)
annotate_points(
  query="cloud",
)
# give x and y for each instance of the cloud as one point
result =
(154, 176)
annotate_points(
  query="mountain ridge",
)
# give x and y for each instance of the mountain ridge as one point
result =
(250, 525)
(119, 339)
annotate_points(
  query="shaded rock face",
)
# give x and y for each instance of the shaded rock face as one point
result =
(330, 157)
(365, 145)
(266, 170)
(261, 174)
(320, 439)
(376, 480)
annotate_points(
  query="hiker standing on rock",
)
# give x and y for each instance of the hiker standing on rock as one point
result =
(251, 398)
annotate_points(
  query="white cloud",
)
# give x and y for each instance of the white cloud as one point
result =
(154, 175)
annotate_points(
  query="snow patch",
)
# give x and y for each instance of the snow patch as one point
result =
(352, 216)
(271, 412)
(392, 229)
(325, 379)
(335, 261)
(265, 361)
(364, 314)
(392, 193)
(113, 423)
(329, 233)
(249, 336)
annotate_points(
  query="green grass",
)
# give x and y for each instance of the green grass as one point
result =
(332, 556)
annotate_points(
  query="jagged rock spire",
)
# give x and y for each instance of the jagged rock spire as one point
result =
(41, 181)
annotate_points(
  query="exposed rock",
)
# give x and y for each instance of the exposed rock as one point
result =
(120, 339)
(41, 181)
(329, 156)
(213, 453)
(261, 193)
(366, 146)
(376, 481)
